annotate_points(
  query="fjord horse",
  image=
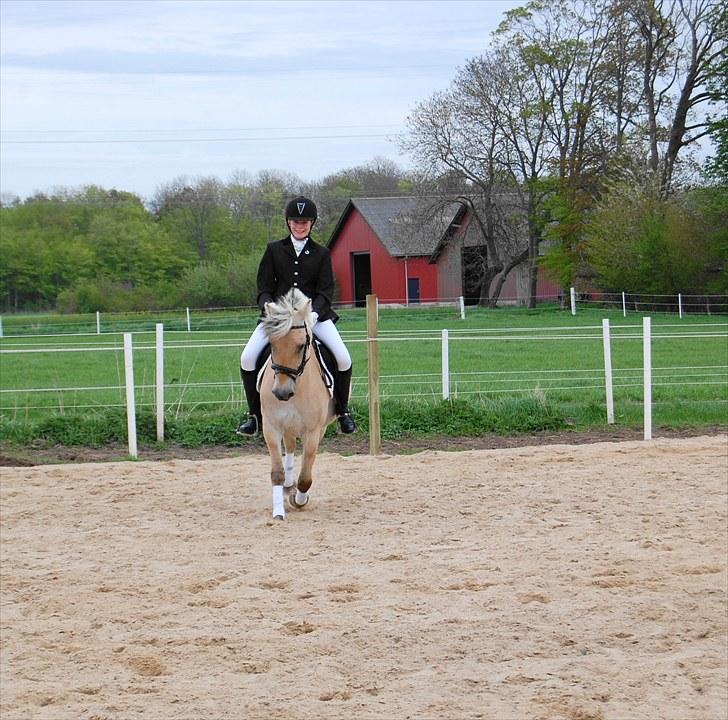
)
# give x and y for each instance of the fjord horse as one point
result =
(295, 400)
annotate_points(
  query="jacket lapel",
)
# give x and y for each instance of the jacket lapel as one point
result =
(288, 247)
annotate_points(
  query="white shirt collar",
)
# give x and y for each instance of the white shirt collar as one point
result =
(298, 245)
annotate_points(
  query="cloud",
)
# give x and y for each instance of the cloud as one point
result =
(107, 69)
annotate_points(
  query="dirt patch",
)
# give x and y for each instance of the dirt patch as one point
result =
(585, 582)
(358, 444)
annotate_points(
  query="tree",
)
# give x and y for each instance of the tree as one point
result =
(378, 178)
(42, 250)
(717, 84)
(271, 192)
(681, 42)
(638, 241)
(489, 129)
(194, 212)
(562, 100)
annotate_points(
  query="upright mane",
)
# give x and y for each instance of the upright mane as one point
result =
(280, 316)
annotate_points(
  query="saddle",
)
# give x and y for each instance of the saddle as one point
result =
(326, 359)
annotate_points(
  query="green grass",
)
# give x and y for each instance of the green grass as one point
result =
(511, 370)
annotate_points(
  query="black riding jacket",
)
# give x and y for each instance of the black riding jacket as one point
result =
(311, 272)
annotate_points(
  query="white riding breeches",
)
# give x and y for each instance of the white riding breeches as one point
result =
(325, 331)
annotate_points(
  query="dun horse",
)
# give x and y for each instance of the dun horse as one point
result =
(295, 401)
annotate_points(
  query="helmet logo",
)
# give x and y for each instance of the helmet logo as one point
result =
(300, 207)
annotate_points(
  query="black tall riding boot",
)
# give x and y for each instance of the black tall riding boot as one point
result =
(253, 422)
(342, 386)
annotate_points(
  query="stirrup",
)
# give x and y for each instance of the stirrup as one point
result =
(346, 423)
(249, 426)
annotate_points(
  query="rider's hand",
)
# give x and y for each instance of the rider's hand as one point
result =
(314, 317)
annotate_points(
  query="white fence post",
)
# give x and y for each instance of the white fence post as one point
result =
(624, 305)
(159, 398)
(445, 366)
(130, 404)
(679, 304)
(608, 371)
(98, 323)
(1, 326)
(462, 308)
(375, 427)
(189, 327)
(647, 355)
(573, 301)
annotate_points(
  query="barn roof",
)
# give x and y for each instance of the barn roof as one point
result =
(406, 226)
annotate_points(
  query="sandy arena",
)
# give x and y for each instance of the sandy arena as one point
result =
(564, 582)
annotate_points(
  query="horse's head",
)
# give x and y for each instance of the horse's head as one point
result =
(287, 323)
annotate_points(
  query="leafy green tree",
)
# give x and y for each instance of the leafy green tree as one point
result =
(711, 207)
(195, 215)
(133, 250)
(42, 252)
(228, 283)
(638, 241)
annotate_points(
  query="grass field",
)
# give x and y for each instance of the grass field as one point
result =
(519, 369)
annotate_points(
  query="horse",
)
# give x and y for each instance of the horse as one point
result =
(295, 400)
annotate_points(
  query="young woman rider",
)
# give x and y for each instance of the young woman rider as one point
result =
(298, 261)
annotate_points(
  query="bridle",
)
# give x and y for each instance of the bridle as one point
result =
(293, 373)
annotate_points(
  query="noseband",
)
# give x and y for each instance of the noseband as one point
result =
(293, 373)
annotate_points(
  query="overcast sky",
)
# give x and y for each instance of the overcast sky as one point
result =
(131, 95)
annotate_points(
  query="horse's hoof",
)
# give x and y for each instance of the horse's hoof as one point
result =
(295, 504)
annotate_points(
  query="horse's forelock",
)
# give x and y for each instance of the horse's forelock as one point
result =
(280, 316)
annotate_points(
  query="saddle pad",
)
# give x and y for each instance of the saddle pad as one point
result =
(260, 373)
(327, 361)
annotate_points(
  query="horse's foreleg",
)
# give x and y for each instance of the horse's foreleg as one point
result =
(289, 441)
(277, 473)
(305, 477)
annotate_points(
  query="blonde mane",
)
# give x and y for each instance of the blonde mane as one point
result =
(280, 316)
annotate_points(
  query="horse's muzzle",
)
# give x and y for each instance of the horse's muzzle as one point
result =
(284, 393)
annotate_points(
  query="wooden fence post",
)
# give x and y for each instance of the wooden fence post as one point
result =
(375, 434)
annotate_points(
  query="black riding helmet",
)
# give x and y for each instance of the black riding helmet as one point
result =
(301, 208)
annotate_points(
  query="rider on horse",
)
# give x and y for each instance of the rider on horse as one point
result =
(297, 261)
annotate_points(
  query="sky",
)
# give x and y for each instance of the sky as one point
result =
(135, 94)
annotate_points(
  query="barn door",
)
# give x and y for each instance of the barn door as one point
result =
(413, 290)
(362, 271)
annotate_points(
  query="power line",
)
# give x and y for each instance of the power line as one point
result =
(198, 140)
(210, 130)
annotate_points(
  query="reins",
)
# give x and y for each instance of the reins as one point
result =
(293, 373)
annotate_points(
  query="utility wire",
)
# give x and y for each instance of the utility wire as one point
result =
(196, 140)
(212, 130)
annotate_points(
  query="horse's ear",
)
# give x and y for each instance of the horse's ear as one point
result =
(266, 307)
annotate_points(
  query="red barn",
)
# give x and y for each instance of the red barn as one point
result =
(404, 253)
